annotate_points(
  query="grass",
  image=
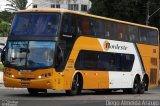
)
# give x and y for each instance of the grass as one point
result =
(1, 67)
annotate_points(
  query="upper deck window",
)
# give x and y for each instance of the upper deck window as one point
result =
(35, 24)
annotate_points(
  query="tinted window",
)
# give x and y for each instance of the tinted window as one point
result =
(100, 28)
(36, 24)
(142, 35)
(93, 27)
(133, 33)
(83, 25)
(100, 33)
(152, 36)
(122, 32)
(69, 24)
(111, 28)
(93, 60)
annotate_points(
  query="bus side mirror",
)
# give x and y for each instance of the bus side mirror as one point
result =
(3, 55)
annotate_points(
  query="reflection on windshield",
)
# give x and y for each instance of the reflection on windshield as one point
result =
(33, 54)
(35, 24)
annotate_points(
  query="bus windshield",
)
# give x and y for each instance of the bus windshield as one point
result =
(30, 54)
(35, 24)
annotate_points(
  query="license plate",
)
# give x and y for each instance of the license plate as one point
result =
(25, 84)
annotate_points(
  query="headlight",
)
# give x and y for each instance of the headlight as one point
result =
(12, 76)
(9, 74)
(44, 75)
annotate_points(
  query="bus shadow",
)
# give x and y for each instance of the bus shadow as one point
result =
(54, 94)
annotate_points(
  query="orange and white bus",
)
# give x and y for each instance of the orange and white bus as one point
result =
(67, 50)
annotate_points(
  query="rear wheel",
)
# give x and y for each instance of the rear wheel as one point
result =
(127, 91)
(136, 86)
(143, 86)
(76, 86)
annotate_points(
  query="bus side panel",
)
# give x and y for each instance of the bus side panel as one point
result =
(120, 78)
(150, 59)
(91, 79)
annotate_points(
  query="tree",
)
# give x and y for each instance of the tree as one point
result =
(17, 5)
(6, 16)
(127, 10)
(4, 28)
(153, 12)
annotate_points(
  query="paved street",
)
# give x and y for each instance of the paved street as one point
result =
(58, 98)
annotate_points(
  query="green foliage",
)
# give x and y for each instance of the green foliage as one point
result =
(17, 4)
(5, 21)
(128, 10)
(6, 16)
(1, 67)
(4, 28)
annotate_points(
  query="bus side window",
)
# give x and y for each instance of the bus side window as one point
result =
(111, 28)
(83, 25)
(142, 35)
(133, 33)
(122, 32)
(69, 26)
(152, 37)
(107, 31)
(101, 28)
(93, 27)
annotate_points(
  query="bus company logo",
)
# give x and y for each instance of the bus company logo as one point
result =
(115, 46)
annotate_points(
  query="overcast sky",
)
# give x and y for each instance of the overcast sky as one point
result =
(4, 2)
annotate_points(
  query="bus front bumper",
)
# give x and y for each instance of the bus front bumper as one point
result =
(46, 83)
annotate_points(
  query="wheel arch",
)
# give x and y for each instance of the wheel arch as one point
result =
(80, 76)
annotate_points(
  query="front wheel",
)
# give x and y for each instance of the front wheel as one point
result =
(32, 91)
(76, 86)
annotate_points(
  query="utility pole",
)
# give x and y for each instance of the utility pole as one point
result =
(148, 16)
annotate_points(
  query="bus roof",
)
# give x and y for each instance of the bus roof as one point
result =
(84, 14)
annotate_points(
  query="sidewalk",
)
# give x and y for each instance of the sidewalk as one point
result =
(1, 80)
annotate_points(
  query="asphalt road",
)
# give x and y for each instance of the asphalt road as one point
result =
(20, 97)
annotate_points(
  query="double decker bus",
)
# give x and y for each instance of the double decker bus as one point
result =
(67, 50)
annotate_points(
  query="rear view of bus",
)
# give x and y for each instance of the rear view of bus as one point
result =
(66, 50)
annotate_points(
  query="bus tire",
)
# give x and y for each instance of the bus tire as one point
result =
(136, 85)
(127, 91)
(77, 84)
(143, 85)
(32, 91)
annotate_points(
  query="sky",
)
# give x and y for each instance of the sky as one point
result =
(4, 2)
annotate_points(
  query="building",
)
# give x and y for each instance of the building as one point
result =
(76, 5)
